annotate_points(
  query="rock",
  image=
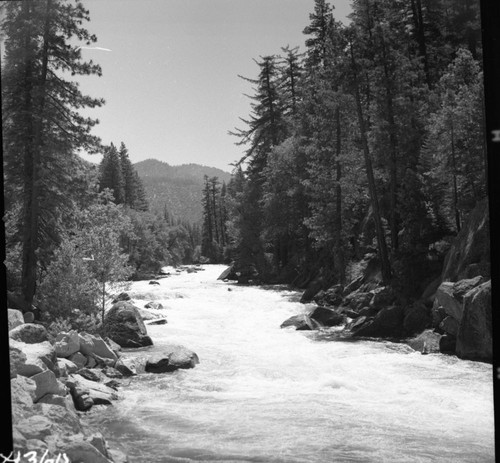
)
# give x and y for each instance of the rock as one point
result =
(59, 400)
(450, 325)
(35, 427)
(388, 323)
(91, 375)
(64, 419)
(15, 318)
(118, 456)
(100, 361)
(84, 452)
(111, 372)
(426, 342)
(39, 357)
(312, 289)
(358, 322)
(228, 274)
(445, 298)
(462, 287)
(87, 393)
(148, 315)
(357, 300)
(97, 345)
(126, 367)
(474, 338)
(171, 358)
(469, 255)
(29, 317)
(91, 361)
(438, 314)
(417, 318)
(154, 282)
(430, 291)
(17, 360)
(331, 297)
(78, 359)
(382, 297)
(66, 366)
(123, 324)
(327, 317)
(153, 305)
(29, 333)
(448, 344)
(22, 395)
(47, 383)
(116, 348)
(86, 343)
(97, 440)
(159, 321)
(367, 312)
(354, 285)
(121, 297)
(300, 322)
(67, 344)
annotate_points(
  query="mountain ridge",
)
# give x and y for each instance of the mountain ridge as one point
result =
(176, 188)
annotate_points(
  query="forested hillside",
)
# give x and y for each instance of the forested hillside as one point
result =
(371, 140)
(176, 189)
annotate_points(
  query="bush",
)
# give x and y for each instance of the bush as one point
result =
(68, 288)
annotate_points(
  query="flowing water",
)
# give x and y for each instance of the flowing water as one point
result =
(262, 394)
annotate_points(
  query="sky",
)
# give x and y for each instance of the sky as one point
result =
(170, 71)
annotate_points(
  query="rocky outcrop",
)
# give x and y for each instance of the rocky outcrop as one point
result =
(39, 357)
(124, 325)
(330, 297)
(427, 342)
(474, 337)
(469, 255)
(171, 358)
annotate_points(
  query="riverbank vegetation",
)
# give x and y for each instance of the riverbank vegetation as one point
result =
(371, 141)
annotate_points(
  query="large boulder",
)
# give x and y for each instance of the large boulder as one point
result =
(388, 323)
(22, 396)
(446, 299)
(124, 325)
(427, 342)
(148, 315)
(67, 344)
(16, 318)
(39, 357)
(87, 393)
(171, 358)
(326, 317)
(469, 255)
(82, 451)
(29, 333)
(93, 344)
(300, 322)
(228, 274)
(474, 338)
(47, 383)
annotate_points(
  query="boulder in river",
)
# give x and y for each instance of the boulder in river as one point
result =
(228, 274)
(426, 342)
(124, 325)
(388, 323)
(327, 317)
(300, 322)
(171, 358)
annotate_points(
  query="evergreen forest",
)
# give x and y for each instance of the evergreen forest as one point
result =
(370, 141)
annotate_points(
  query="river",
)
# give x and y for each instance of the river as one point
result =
(262, 394)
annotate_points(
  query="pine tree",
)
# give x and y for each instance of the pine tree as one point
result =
(111, 174)
(42, 129)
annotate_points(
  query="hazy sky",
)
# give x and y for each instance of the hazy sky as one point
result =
(171, 80)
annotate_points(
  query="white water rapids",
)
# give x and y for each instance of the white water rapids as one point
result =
(263, 394)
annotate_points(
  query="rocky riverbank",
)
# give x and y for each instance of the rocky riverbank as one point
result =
(452, 315)
(54, 382)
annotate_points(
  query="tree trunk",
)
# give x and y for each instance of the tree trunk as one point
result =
(339, 248)
(382, 246)
(454, 173)
(32, 159)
